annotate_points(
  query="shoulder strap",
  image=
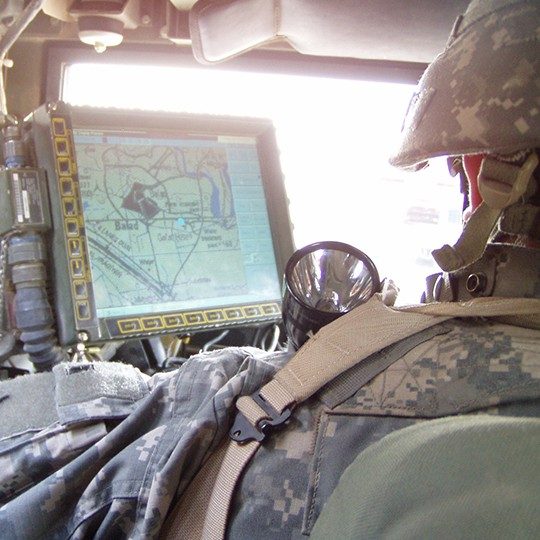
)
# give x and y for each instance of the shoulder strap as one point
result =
(202, 511)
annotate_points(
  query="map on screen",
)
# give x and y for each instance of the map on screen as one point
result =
(173, 223)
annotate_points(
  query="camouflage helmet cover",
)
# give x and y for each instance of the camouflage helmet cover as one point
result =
(482, 94)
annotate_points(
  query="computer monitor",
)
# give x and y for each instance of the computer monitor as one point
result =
(162, 222)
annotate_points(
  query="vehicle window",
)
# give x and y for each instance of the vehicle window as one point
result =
(334, 136)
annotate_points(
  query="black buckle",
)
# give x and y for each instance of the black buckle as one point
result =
(243, 431)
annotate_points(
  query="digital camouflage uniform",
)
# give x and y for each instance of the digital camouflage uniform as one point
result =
(110, 467)
(456, 367)
(120, 449)
(479, 96)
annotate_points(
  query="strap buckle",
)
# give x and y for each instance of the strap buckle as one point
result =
(244, 431)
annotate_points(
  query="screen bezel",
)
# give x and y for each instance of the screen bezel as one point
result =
(55, 150)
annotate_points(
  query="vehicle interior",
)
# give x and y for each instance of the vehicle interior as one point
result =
(331, 79)
(193, 176)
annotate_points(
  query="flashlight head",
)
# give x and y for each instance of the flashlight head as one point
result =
(322, 282)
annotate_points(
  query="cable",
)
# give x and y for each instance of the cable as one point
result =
(257, 337)
(214, 341)
(3, 267)
(33, 313)
(275, 339)
(7, 339)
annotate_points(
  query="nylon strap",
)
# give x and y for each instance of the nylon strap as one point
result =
(202, 511)
(187, 519)
(501, 185)
(472, 241)
(520, 219)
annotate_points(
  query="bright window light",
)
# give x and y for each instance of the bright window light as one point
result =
(334, 136)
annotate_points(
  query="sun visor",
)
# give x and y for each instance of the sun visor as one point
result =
(221, 29)
(382, 30)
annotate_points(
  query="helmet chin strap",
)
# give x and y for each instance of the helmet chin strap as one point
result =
(500, 185)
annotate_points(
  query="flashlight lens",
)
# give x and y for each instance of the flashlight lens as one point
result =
(322, 282)
(332, 280)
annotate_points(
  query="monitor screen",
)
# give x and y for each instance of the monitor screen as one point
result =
(169, 222)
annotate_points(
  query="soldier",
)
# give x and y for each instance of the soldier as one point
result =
(479, 100)
(472, 476)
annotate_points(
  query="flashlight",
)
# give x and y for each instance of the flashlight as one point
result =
(322, 282)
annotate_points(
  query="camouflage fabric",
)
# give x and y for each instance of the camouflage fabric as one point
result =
(457, 367)
(481, 94)
(109, 468)
(100, 474)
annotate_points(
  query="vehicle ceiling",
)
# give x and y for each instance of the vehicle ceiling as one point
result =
(372, 31)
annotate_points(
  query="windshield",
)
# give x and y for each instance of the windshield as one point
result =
(334, 137)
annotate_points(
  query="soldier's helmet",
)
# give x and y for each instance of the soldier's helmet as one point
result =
(482, 94)
(480, 98)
